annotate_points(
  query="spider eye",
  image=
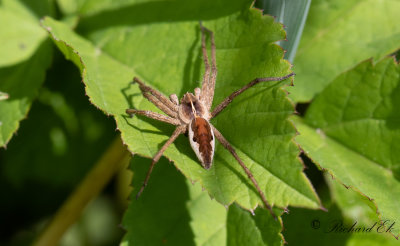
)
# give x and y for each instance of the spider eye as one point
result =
(194, 139)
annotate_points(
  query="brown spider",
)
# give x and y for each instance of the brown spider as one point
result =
(193, 115)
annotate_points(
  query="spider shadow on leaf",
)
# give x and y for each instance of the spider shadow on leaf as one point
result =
(127, 95)
(164, 128)
(191, 70)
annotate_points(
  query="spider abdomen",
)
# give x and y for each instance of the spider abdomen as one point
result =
(201, 138)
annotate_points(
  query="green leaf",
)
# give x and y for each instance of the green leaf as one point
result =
(337, 36)
(22, 35)
(167, 56)
(359, 110)
(351, 130)
(246, 229)
(172, 211)
(359, 210)
(25, 54)
(165, 202)
(21, 82)
(354, 206)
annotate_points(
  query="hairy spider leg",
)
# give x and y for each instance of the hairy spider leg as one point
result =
(208, 86)
(229, 147)
(154, 116)
(158, 95)
(230, 98)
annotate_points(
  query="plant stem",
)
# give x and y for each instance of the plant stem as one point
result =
(107, 166)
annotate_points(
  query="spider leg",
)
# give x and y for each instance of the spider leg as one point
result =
(213, 78)
(178, 131)
(229, 147)
(160, 105)
(156, 94)
(206, 78)
(230, 98)
(154, 116)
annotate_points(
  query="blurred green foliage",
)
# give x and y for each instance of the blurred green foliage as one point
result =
(54, 148)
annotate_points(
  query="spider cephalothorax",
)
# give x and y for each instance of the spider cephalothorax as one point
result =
(193, 114)
(192, 106)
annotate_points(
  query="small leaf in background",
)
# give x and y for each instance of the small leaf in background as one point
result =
(21, 82)
(113, 52)
(352, 130)
(340, 34)
(174, 211)
(25, 54)
(292, 14)
(21, 34)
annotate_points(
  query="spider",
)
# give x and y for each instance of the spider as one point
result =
(193, 115)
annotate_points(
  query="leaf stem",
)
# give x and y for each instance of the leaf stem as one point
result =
(106, 167)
